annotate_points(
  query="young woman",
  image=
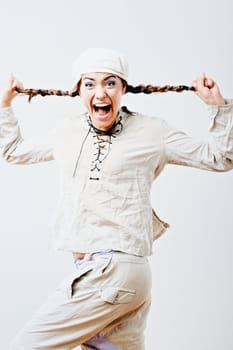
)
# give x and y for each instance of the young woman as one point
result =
(108, 159)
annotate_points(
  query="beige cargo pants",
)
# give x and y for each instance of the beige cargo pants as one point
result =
(102, 306)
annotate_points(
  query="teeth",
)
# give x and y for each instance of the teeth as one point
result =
(102, 106)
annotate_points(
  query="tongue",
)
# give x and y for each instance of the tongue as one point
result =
(102, 111)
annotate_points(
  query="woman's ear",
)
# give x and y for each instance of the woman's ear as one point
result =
(78, 86)
(124, 86)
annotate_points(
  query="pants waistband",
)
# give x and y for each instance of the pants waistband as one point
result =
(90, 256)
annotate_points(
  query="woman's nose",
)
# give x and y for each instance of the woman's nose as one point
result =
(100, 92)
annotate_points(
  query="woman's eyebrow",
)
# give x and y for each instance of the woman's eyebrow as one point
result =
(88, 78)
(108, 77)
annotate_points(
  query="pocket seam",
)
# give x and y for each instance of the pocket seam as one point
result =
(117, 295)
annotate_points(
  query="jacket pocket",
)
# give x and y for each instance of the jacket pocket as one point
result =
(114, 295)
(158, 226)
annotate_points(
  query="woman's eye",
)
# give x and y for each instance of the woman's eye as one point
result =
(111, 83)
(88, 84)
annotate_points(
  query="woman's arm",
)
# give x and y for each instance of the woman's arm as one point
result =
(15, 149)
(217, 153)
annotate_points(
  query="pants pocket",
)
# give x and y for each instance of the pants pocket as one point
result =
(67, 285)
(89, 274)
(114, 295)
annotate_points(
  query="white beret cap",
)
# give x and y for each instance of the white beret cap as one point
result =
(95, 60)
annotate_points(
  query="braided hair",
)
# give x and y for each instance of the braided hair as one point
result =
(146, 89)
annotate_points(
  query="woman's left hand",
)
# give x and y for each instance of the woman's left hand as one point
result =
(208, 91)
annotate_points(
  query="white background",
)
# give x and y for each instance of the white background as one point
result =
(165, 42)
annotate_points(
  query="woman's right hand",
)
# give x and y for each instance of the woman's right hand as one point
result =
(8, 92)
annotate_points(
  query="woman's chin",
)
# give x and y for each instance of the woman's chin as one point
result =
(103, 122)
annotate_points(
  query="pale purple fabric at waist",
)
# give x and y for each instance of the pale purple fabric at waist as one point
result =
(89, 256)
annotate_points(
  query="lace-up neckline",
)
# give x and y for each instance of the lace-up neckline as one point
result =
(113, 131)
(102, 141)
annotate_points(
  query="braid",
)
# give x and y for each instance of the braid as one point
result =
(146, 89)
(33, 92)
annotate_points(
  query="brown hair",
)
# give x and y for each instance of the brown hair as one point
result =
(146, 89)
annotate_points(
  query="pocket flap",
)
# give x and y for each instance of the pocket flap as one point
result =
(115, 295)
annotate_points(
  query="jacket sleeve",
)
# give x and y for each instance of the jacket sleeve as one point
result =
(15, 149)
(214, 155)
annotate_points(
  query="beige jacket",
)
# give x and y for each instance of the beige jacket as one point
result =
(105, 187)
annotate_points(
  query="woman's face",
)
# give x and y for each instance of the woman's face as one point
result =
(101, 94)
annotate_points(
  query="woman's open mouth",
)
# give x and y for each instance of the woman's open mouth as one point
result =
(102, 109)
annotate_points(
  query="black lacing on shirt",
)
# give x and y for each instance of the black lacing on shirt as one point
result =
(102, 145)
(102, 151)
